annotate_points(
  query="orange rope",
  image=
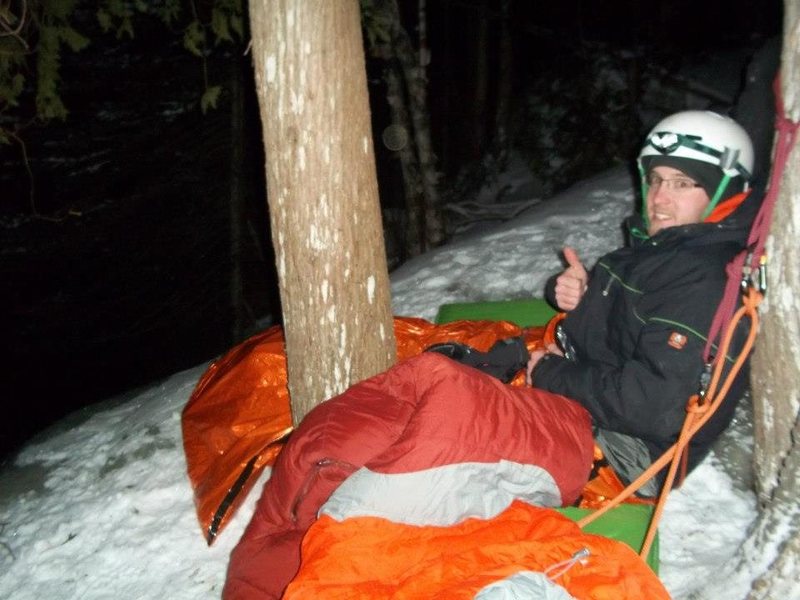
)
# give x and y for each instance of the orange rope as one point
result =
(698, 413)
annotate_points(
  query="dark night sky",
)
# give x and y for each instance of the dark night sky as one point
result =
(126, 281)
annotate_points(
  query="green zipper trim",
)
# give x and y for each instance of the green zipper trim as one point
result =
(619, 279)
(678, 324)
(728, 357)
(648, 320)
(685, 327)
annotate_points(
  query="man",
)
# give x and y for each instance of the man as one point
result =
(631, 346)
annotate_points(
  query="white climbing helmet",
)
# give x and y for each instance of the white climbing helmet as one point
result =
(703, 136)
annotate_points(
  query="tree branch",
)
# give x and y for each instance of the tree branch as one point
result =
(6, 18)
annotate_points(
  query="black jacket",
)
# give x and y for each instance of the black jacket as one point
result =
(639, 332)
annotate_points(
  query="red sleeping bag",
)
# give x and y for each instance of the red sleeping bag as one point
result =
(429, 442)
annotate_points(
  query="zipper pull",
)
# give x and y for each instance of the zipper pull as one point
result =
(555, 571)
(608, 286)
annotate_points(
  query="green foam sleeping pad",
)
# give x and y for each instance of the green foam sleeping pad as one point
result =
(525, 313)
(625, 523)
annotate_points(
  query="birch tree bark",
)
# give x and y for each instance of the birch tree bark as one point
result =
(766, 565)
(776, 365)
(323, 195)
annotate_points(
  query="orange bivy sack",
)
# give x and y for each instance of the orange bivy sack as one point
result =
(239, 413)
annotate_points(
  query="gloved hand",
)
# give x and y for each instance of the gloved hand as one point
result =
(503, 360)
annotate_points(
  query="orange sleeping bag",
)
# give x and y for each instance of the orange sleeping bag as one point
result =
(386, 559)
(239, 414)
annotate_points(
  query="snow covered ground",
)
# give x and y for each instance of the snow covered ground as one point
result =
(100, 506)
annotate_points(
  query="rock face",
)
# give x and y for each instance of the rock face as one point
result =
(125, 275)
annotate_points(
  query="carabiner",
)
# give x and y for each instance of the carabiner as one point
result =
(705, 380)
(762, 274)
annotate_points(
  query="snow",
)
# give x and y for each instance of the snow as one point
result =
(101, 507)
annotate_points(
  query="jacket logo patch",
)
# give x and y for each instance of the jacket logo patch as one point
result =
(677, 340)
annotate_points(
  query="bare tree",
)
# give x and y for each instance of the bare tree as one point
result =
(407, 96)
(323, 195)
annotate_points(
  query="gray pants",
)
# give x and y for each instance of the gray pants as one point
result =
(629, 457)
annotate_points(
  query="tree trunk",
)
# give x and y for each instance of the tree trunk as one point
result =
(323, 195)
(776, 365)
(407, 95)
(236, 210)
(770, 556)
(480, 92)
(777, 362)
(417, 89)
(414, 235)
(501, 143)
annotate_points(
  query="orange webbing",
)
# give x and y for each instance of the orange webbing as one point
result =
(698, 413)
(549, 336)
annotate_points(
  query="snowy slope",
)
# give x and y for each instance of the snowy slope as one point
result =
(101, 506)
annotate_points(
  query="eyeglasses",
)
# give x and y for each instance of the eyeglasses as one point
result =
(678, 184)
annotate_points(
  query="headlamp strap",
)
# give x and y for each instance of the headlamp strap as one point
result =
(666, 143)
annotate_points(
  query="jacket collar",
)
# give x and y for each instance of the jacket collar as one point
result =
(722, 224)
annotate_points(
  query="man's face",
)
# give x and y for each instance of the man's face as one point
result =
(673, 198)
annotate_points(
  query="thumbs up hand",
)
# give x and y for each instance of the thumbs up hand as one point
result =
(571, 284)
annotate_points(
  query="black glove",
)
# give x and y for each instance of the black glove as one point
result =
(503, 360)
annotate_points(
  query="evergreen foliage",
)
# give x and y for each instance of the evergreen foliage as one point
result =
(55, 32)
(34, 35)
(376, 23)
(578, 120)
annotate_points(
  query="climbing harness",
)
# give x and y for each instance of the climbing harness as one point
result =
(746, 280)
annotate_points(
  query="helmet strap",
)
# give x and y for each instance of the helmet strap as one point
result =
(645, 189)
(723, 183)
(728, 162)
